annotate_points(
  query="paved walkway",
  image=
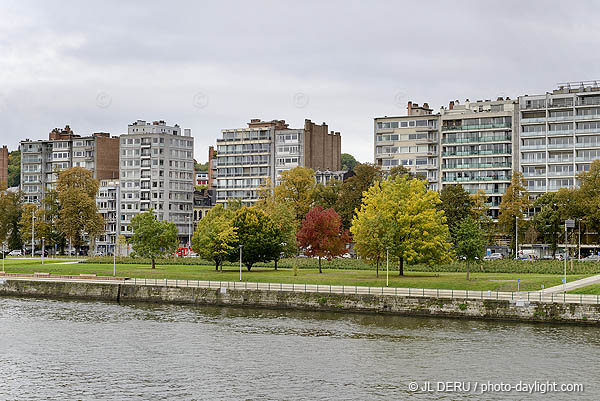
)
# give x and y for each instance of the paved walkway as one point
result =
(584, 282)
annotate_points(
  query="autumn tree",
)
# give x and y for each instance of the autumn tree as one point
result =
(469, 241)
(513, 207)
(14, 168)
(457, 205)
(51, 214)
(322, 234)
(328, 195)
(547, 221)
(215, 236)
(296, 187)
(10, 215)
(152, 238)
(78, 214)
(351, 192)
(408, 222)
(32, 218)
(259, 236)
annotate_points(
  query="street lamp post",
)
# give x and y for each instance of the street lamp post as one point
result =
(516, 236)
(241, 246)
(32, 233)
(115, 256)
(3, 256)
(43, 246)
(190, 235)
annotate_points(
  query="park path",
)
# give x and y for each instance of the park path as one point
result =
(584, 282)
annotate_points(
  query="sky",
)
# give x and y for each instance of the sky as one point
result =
(208, 65)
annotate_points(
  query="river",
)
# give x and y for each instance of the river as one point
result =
(61, 350)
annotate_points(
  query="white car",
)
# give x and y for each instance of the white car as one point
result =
(493, 256)
(16, 252)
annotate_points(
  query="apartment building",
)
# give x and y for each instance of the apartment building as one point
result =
(411, 141)
(4, 166)
(559, 135)
(157, 172)
(41, 160)
(248, 158)
(107, 201)
(477, 147)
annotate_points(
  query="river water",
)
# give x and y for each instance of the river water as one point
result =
(88, 350)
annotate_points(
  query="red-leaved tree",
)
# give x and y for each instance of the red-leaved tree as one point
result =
(322, 234)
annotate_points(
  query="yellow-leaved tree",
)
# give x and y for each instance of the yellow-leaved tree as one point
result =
(400, 215)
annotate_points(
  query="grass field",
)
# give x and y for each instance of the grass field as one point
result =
(412, 279)
(590, 289)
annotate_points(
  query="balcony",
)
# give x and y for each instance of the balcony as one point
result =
(587, 144)
(588, 159)
(560, 105)
(534, 106)
(533, 133)
(533, 120)
(501, 138)
(560, 146)
(587, 117)
(535, 174)
(533, 147)
(477, 165)
(536, 188)
(560, 173)
(561, 118)
(474, 127)
(476, 153)
(533, 161)
(561, 132)
(587, 130)
(561, 160)
(587, 102)
(477, 178)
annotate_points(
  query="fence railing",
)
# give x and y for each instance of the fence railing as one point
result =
(516, 297)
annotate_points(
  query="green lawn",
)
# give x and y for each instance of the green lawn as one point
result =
(441, 280)
(593, 289)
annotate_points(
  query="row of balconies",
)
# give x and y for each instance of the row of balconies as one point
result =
(500, 138)
(474, 127)
(478, 152)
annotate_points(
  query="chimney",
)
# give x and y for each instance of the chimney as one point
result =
(409, 108)
(425, 105)
(451, 105)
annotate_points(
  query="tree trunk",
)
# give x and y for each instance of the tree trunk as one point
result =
(153, 263)
(467, 270)
(275, 264)
(320, 271)
(248, 267)
(401, 267)
(216, 265)
(377, 270)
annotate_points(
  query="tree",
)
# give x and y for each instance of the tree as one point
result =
(322, 234)
(531, 235)
(78, 213)
(327, 195)
(408, 222)
(457, 204)
(10, 215)
(284, 218)
(14, 168)
(201, 167)
(215, 236)
(259, 236)
(296, 187)
(348, 162)
(469, 241)
(513, 207)
(51, 214)
(547, 220)
(152, 238)
(32, 215)
(351, 192)
(122, 242)
(589, 196)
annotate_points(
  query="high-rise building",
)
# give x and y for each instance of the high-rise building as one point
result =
(107, 201)
(248, 158)
(4, 166)
(477, 147)
(157, 172)
(411, 141)
(41, 160)
(559, 135)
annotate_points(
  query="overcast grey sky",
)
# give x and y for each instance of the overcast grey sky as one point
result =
(217, 64)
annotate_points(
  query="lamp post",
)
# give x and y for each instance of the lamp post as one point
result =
(516, 236)
(241, 246)
(115, 255)
(32, 233)
(190, 236)
(3, 255)
(43, 246)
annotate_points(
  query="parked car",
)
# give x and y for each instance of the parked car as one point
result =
(98, 253)
(39, 253)
(493, 256)
(15, 252)
(592, 258)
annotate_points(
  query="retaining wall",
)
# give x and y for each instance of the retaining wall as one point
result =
(386, 304)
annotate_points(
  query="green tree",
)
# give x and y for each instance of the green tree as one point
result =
(284, 218)
(513, 208)
(409, 223)
(297, 187)
(588, 197)
(32, 215)
(14, 168)
(152, 238)
(469, 241)
(259, 236)
(351, 192)
(327, 195)
(215, 236)
(122, 243)
(78, 215)
(547, 220)
(51, 213)
(201, 167)
(348, 161)
(457, 204)
(10, 215)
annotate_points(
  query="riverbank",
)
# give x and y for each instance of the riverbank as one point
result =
(532, 307)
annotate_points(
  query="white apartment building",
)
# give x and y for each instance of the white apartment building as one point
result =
(156, 164)
(108, 201)
(559, 135)
(248, 158)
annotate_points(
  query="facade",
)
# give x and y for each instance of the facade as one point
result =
(157, 172)
(411, 141)
(4, 166)
(204, 201)
(41, 160)
(477, 147)
(108, 202)
(201, 178)
(248, 158)
(559, 136)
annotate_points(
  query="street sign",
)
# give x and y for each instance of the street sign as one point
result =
(570, 223)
